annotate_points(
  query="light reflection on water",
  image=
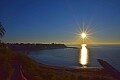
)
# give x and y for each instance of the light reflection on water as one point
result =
(71, 57)
(83, 60)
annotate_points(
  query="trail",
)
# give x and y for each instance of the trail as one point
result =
(18, 71)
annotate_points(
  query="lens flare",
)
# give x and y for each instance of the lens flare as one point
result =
(84, 36)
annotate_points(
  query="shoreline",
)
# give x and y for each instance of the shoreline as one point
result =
(17, 63)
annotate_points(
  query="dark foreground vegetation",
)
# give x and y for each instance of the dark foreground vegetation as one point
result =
(18, 66)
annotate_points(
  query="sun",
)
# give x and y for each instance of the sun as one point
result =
(83, 35)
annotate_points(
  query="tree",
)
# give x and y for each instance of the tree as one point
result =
(2, 30)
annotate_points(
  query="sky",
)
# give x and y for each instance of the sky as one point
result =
(48, 21)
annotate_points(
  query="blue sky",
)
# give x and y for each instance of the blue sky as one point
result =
(46, 21)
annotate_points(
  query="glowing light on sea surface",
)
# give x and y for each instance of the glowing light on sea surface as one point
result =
(84, 55)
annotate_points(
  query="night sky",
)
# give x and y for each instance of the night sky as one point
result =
(47, 21)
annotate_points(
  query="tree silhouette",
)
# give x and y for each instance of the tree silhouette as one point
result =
(2, 30)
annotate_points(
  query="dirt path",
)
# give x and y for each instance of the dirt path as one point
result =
(17, 73)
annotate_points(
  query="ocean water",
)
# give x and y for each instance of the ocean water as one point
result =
(70, 57)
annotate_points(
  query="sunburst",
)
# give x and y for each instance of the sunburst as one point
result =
(84, 34)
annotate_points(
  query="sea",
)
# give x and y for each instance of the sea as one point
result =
(70, 57)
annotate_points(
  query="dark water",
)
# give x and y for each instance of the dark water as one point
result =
(70, 57)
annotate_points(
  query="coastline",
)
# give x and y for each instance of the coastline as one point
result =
(20, 64)
(34, 47)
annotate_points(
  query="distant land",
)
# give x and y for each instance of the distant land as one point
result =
(31, 47)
